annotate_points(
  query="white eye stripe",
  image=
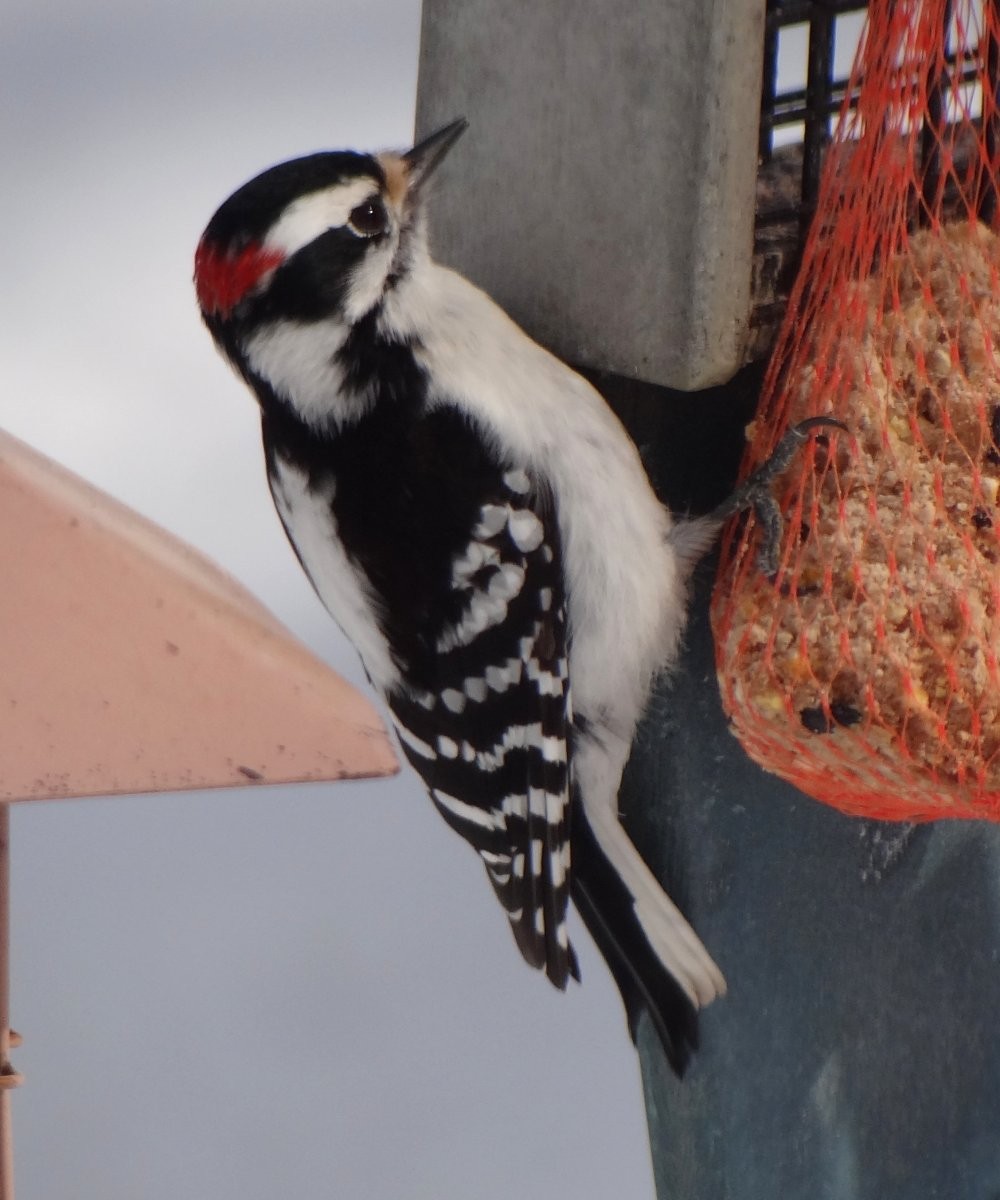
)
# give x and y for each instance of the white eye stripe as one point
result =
(309, 216)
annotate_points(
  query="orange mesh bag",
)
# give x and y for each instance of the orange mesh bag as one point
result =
(866, 671)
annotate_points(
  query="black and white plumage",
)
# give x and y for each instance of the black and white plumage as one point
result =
(480, 525)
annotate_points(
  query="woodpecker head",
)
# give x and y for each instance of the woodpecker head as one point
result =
(320, 237)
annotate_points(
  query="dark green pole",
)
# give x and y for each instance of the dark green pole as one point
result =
(605, 196)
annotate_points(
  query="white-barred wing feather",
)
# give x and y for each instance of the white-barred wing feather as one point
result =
(491, 739)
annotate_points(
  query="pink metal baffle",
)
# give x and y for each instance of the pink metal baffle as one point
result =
(130, 663)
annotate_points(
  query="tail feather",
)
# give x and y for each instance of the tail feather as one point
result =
(655, 974)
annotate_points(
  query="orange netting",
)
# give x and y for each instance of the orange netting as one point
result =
(867, 672)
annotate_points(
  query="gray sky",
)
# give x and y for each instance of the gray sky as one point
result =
(304, 992)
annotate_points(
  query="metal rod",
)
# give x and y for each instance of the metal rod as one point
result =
(932, 132)
(794, 12)
(8, 1077)
(791, 106)
(818, 85)
(769, 89)
(991, 114)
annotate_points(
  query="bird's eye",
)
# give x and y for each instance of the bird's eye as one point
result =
(370, 218)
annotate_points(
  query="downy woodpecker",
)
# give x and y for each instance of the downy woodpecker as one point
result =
(481, 527)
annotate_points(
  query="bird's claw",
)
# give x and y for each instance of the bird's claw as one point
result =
(754, 494)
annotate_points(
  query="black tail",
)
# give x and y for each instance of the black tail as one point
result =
(606, 907)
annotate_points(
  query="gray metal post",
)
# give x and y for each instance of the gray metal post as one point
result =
(604, 194)
(857, 1056)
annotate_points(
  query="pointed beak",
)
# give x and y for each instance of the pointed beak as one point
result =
(426, 156)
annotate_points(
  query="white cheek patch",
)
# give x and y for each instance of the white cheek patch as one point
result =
(368, 279)
(309, 216)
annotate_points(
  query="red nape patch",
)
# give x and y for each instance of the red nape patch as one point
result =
(222, 280)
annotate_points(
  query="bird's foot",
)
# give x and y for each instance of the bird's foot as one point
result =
(755, 495)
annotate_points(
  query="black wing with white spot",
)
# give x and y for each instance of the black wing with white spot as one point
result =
(490, 736)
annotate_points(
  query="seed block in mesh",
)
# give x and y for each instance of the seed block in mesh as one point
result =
(866, 672)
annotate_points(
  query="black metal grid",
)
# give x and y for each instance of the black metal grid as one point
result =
(822, 97)
(823, 94)
(788, 178)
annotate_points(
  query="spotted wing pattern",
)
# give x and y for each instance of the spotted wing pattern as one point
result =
(490, 739)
